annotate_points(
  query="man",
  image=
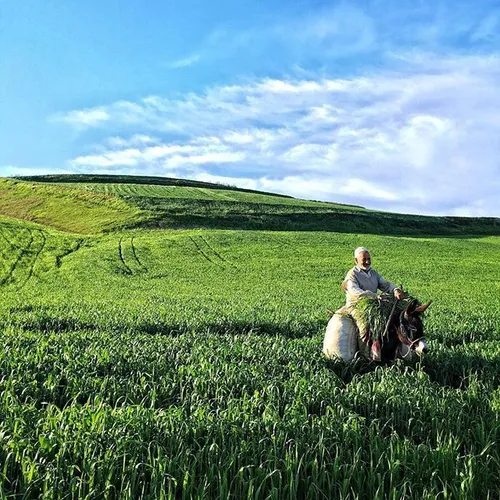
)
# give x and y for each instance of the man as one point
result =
(363, 281)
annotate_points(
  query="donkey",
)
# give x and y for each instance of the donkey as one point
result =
(402, 338)
(405, 333)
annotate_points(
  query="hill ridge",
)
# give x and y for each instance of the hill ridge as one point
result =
(112, 203)
(153, 180)
(138, 179)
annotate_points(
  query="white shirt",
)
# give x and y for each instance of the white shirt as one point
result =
(359, 283)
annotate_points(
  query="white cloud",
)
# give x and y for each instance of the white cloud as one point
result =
(185, 62)
(332, 31)
(85, 117)
(126, 158)
(135, 140)
(420, 138)
(339, 31)
(362, 188)
(233, 137)
(166, 156)
(177, 161)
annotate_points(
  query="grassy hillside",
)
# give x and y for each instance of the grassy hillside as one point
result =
(129, 190)
(136, 179)
(189, 204)
(79, 211)
(186, 363)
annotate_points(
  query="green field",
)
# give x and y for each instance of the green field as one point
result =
(165, 342)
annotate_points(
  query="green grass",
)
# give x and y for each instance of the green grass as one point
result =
(77, 211)
(164, 203)
(80, 179)
(187, 363)
(196, 193)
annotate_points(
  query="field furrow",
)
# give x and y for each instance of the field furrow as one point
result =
(121, 255)
(217, 254)
(18, 260)
(75, 246)
(39, 242)
(135, 256)
(198, 243)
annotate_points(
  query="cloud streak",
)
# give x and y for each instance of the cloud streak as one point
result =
(185, 62)
(420, 138)
(84, 118)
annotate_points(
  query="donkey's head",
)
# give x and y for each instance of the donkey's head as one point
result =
(411, 328)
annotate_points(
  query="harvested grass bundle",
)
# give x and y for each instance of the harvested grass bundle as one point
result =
(375, 313)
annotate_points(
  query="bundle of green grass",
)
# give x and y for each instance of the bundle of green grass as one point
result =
(376, 312)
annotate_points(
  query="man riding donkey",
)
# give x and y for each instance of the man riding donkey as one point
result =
(363, 281)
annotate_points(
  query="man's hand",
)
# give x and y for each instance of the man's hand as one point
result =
(399, 294)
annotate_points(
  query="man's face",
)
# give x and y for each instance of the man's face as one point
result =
(363, 260)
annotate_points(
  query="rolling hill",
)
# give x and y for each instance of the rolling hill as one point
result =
(106, 202)
(164, 341)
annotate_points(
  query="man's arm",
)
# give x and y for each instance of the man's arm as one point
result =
(388, 287)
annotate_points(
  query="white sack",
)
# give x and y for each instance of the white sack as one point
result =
(341, 338)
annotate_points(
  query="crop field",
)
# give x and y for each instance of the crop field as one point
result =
(197, 193)
(152, 362)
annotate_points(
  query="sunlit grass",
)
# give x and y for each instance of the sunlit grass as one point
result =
(187, 364)
(67, 209)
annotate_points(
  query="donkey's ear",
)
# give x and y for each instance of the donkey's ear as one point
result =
(411, 307)
(422, 308)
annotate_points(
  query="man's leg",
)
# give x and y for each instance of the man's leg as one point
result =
(364, 344)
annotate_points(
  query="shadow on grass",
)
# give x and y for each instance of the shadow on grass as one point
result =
(421, 421)
(347, 370)
(247, 216)
(448, 369)
(456, 370)
(47, 321)
(415, 416)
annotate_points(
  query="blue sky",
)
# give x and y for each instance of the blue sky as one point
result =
(388, 104)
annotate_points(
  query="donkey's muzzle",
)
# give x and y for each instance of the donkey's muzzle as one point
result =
(421, 347)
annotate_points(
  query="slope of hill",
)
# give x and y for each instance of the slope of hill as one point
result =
(78, 211)
(137, 179)
(156, 202)
(129, 190)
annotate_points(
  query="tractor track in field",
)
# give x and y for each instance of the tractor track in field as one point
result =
(5, 249)
(132, 265)
(9, 237)
(9, 277)
(134, 253)
(215, 252)
(35, 258)
(11, 246)
(210, 253)
(6, 239)
(122, 257)
(203, 253)
(73, 249)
